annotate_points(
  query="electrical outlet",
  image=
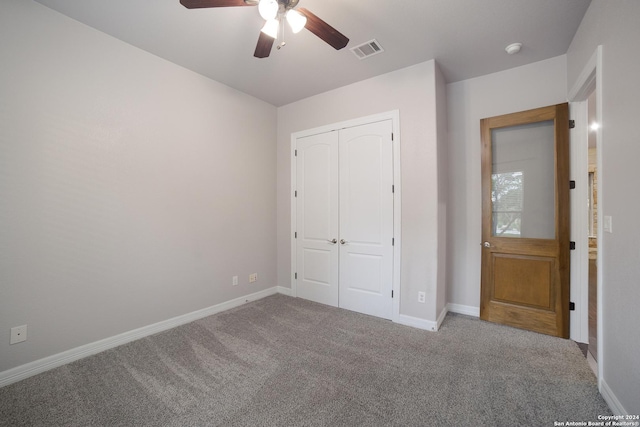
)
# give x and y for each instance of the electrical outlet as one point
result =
(253, 277)
(234, 281)
(422, 297)
(18, 334)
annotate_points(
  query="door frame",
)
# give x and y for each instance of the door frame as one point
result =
(589, 79)
(394, 116)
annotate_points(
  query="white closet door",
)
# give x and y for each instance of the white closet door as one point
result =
(317, 218)
(366, 219)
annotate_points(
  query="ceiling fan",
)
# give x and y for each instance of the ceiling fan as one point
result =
(274, 12)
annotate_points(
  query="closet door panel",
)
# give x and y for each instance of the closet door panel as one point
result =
(317, 218)
(366, 219)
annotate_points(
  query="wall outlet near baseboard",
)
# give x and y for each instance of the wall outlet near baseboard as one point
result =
(422, 297)
(18, 334)
(234, 280)
(253, 277)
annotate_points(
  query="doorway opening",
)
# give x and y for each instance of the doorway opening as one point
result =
(592, 231)
(585, 99)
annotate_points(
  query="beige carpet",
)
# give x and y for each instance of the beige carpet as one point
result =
(283, 361)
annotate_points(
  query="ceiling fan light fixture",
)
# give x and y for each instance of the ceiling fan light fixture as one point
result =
(268, 9)
(296, 20)
(271, 28)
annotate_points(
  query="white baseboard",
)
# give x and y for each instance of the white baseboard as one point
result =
(416, 322)
(611, 399)
(592, 363)
(441, 317)
(38, 366)
(464, 309)
(285, 291)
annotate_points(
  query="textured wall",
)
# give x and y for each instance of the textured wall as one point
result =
(131, 189)
(614, 25)
(523, 88)
(412, 91)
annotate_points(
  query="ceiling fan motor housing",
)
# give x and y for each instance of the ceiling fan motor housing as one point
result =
(284, 4)
(288, 4)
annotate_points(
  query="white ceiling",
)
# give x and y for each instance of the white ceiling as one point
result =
(466, 37)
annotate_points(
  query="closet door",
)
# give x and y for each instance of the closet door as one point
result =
(366, 219)
(317, 218)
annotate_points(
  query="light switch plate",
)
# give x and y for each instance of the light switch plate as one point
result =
(608, 224)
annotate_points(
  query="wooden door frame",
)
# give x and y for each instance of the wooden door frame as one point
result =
(560, 244)
(394, 116)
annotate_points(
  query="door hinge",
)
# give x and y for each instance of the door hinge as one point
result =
(393, 188)
(572, 185)
(391, 136)
(295, 153)
(572, 246)
(295, 275)
(295, 193)
(295, 234)
(392, 293)
(393, 241)
(572, 306)
(572, 124)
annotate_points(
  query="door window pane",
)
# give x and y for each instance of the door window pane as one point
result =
(507, 198)
(523, 181)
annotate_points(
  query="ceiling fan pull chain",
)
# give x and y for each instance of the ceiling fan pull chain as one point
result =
(281, 33)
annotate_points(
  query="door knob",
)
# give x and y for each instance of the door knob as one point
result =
(334, 241)
(343, 242)
(487, 244)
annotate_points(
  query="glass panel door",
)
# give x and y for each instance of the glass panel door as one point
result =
(525, 220)
(523, 181)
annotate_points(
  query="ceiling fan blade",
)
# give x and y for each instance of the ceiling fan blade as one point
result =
(323, 30)
(263, 48)
(196, 4)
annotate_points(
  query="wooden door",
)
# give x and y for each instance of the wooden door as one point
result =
(366, 219)
(525, 220)
(317, 218)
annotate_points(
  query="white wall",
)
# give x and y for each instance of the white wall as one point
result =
(614, 25)
(531, 86)
(412, 91)
(131, 189)
(443, 189)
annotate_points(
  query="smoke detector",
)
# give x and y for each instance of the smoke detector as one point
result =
(513, 48)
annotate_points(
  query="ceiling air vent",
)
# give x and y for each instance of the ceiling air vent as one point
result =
(365, 50)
